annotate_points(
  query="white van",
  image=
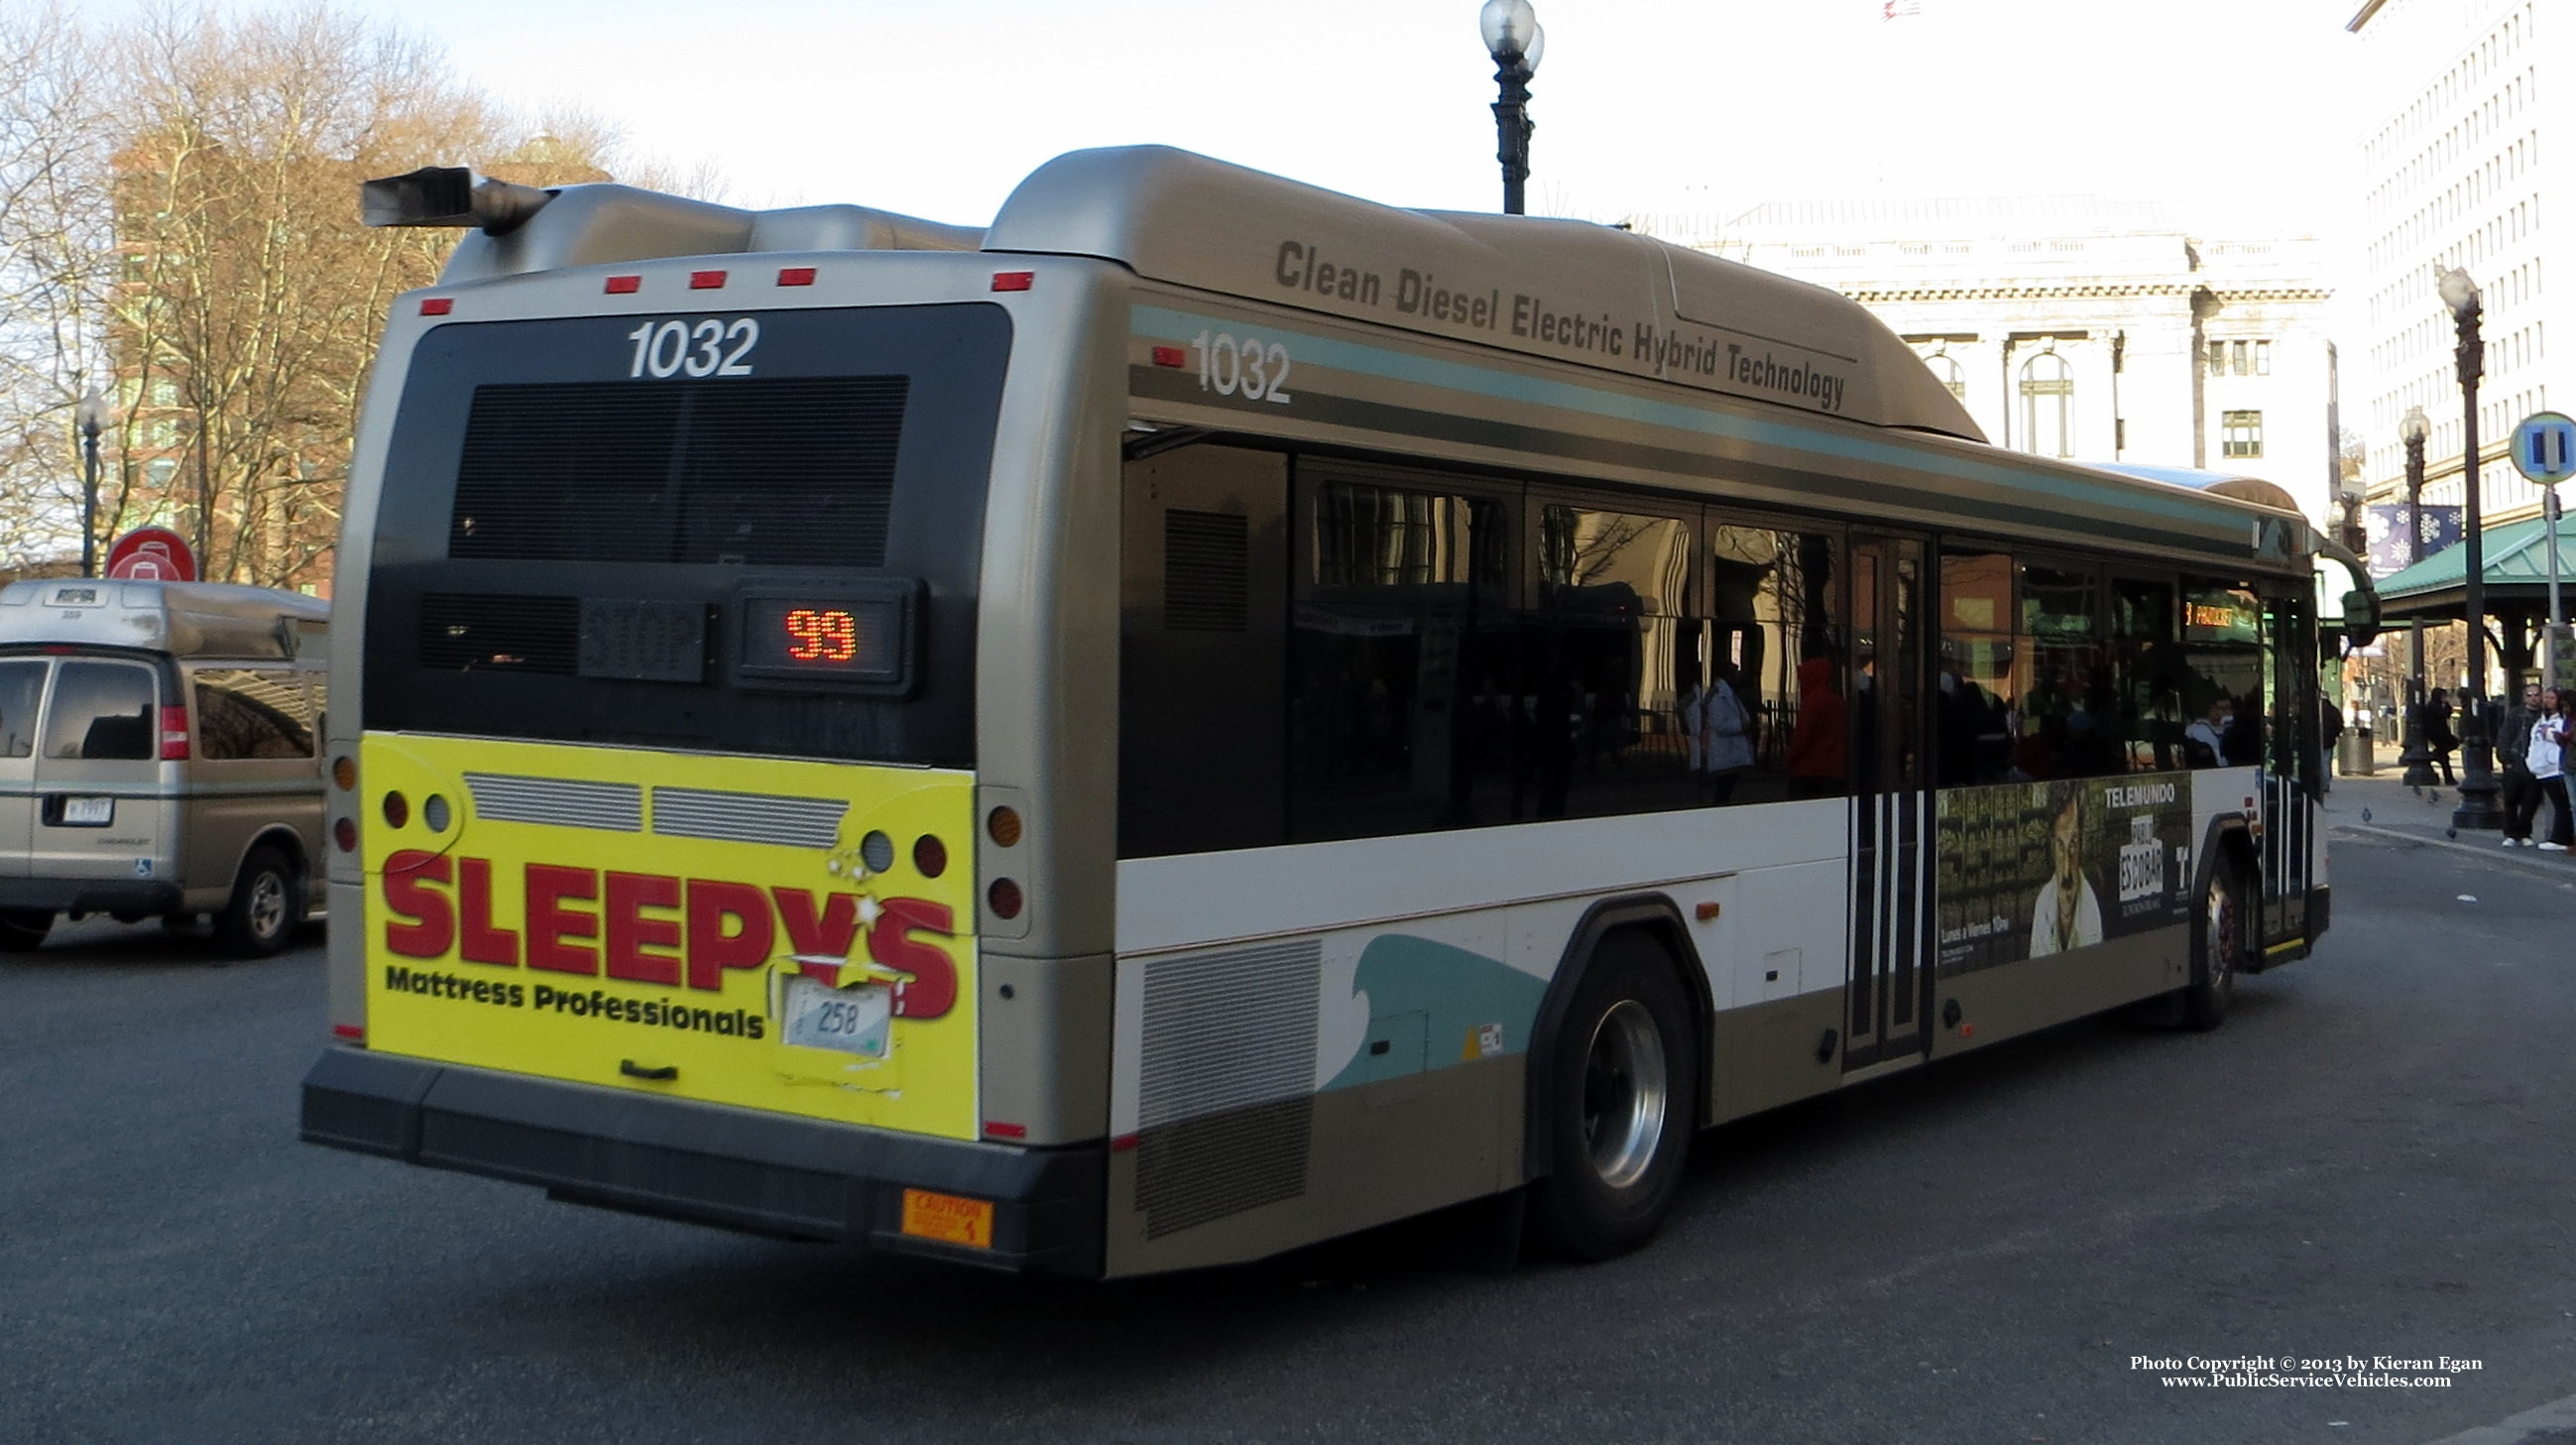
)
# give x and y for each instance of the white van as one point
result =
(158, 756)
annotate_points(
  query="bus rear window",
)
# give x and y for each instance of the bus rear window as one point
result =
(569, 548)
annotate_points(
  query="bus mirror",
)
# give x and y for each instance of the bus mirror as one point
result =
(449, 196)
(2360, 618)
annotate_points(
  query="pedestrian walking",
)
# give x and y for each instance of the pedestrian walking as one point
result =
(2522, 791)
(2560, 726)
(2438, 735)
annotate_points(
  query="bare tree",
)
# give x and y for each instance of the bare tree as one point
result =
(55, 260)
(195, 249)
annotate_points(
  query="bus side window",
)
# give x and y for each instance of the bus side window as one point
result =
(1602, 666)
(1407, 705)
(1778, 643)
(1974, 708)
(1201, 739)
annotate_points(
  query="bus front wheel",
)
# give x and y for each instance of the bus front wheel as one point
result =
(1619, 1104)
(2218, 947)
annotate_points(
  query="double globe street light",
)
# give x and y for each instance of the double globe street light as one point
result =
(1516, 40)
(2478, 787)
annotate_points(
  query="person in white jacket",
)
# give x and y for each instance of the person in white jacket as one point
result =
(2544, 751)
(1720, 729)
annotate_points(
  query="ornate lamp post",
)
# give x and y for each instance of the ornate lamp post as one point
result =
(2478, 786)
(2418, 758)
(1516, 40)
(91, 416)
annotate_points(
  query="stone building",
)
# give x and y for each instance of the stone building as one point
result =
(2082, 326)
(2454, 172)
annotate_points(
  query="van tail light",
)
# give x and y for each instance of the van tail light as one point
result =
(174, 734)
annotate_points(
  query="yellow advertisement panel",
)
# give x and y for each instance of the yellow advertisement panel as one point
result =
(781, 935)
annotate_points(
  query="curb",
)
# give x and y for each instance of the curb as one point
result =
(2565, 872)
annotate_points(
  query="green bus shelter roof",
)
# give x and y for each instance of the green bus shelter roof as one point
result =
(2517, 571)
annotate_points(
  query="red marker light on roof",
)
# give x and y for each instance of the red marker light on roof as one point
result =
(437, 305)
(1170, 356)
(1014, 280)
(706, 280)
(795, 275)
(623, 285)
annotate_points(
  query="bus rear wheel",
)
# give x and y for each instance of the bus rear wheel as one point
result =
(2217, 948)
(267, 904)
(23, 930)
(1619, 1104)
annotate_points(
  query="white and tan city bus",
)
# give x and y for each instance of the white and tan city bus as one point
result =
(1213, 714)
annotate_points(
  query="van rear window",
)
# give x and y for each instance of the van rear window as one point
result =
(102, 712)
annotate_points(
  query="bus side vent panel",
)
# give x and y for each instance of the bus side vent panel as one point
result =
(794, 471)
(1206, 562)
(1226, 1101)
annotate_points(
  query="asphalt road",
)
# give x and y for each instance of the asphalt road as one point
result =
(2372, 1158)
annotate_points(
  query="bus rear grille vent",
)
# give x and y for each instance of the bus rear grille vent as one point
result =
(748, 817)
(1189, 1174)
(1205, 583)
(1227, 1077)
(464, 633)
(793, 471)
(565, 802)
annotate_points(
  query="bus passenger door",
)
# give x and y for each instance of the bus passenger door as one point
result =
(2292, 765)
(1887, 1011)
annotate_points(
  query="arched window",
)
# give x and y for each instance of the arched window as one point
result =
(2048, 406)
(1952, 375)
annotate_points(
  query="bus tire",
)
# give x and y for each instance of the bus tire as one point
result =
(2217, 949)
(23, 930)
(265, 907)
(1620, 1112)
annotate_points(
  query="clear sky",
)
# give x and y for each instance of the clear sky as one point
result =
(937, 107)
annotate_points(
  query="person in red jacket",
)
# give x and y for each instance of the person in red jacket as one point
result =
(1816, 743)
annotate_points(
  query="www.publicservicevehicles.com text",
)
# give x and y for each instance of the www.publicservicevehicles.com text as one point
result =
(2346, 1372)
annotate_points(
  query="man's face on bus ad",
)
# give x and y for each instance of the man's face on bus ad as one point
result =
(2066, 848)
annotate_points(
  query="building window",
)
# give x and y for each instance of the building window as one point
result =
(1951, 374)
(2249, 357)
(2241, 434)
(2048, 406)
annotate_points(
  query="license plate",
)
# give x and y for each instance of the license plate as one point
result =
(852, 1020)
(89, 812)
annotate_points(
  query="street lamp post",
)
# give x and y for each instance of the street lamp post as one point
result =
(91, 417)
(2478, 787)
(2418, 758)
(1515, 39)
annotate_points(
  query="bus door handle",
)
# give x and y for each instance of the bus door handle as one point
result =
(661, 1073)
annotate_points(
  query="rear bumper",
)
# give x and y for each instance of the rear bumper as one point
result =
(139, 896)
(708, 1164)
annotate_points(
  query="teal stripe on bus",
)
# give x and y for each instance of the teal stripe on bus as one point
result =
(1365, 360)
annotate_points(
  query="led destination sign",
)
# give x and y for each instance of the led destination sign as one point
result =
(827, 635)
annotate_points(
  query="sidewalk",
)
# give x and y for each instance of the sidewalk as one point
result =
(2424, 816)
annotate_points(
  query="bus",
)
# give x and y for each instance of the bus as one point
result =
(1212, 714)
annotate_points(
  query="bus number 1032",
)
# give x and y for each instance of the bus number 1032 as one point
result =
(708, 348)
(1228, 366)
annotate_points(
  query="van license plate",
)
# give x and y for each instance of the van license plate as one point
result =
(852, 1020)
(88, 812)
